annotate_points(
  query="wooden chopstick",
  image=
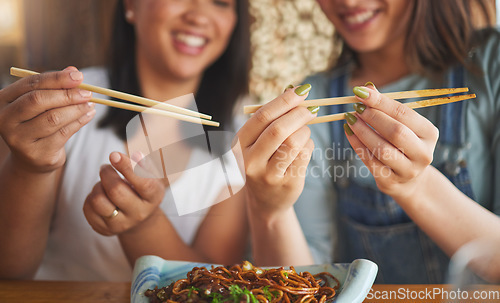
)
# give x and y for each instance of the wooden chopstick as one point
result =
(151, 110)
(19, 72)
(416, 104)
(250, 109)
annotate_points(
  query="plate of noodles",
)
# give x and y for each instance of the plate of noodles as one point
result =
(157, 280)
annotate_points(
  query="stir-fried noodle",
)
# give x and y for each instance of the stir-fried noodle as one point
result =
(246, 283)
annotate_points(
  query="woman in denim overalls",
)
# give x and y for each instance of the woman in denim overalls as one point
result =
(404, 214)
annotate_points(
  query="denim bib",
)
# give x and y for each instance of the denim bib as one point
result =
(373, 226)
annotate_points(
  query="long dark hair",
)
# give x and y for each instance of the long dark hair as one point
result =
(440, 34)
(222, 83)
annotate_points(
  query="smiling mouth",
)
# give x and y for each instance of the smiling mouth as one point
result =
(359, 18)
(191, 40)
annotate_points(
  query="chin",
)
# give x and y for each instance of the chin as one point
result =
(363, 46)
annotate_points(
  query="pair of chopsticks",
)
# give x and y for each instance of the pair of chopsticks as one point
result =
(249, 109)
(160, 108)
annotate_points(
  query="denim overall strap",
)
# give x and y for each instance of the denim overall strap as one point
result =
(452, 145)
(450, 130)
(337, 89)
(337, 128)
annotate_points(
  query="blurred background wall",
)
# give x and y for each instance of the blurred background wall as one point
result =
(290, 38)
(51, 34)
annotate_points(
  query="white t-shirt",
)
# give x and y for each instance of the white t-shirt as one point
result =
(75, 251)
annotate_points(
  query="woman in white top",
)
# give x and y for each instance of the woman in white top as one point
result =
(51, 162)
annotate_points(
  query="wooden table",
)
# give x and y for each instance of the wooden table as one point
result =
(67, 292)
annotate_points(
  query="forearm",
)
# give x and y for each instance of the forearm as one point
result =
(156, 236)
(223, 234)
(448, 216)
(26, 208)
(278, 240)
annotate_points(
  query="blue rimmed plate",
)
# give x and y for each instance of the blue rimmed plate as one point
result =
(355, 278)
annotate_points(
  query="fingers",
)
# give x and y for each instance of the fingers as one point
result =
(149, 189)
(38, 102)
(134, 198)
(117, 190)
(390, 136)
(373, 146)
(65, 79)
(297, 170)
(277, 132)
(370, 97)
(52, 121)
(290, 99)
(376, 167)
(99, 211)
(62, 135)
(288, 151)
(53, 144)
(395, 132)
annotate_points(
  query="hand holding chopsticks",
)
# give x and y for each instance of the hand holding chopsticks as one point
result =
(394, 95)
(160, 108)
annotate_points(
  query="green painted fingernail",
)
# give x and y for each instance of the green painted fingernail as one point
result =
(361, 92)
(370, 83)
(303, 89)
(348, 130)
(313, 109)
(288, 87)
(350, 118)
(359, 107)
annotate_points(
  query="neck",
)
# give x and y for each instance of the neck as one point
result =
(381, 67)
(164, 88)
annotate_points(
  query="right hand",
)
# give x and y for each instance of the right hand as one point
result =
(276, 147)
(136, 198)
(38, 114)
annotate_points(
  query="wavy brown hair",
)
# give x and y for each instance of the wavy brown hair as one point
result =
(440, 34)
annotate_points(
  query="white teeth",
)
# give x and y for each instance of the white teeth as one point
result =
(190, 40)
(359, 18)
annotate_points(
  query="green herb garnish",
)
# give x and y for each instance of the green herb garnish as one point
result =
(191, 289)
(238, 294)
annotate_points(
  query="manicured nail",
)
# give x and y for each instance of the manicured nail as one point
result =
(348, 130)
(115, 157)
(313, 109)
(288, 87)
(76, 76)
(370, 83)
(350, 118)
(359, 107)
(361, 92)
(85, 93)
(91, 113)
(303, 89)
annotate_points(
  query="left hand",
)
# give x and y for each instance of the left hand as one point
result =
(276, 148)
(395, 142)
(135, 198)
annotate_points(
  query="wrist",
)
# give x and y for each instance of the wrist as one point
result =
(148, 223)
(413, 196)
(22, 168)
(17, 170)
(264, 212)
